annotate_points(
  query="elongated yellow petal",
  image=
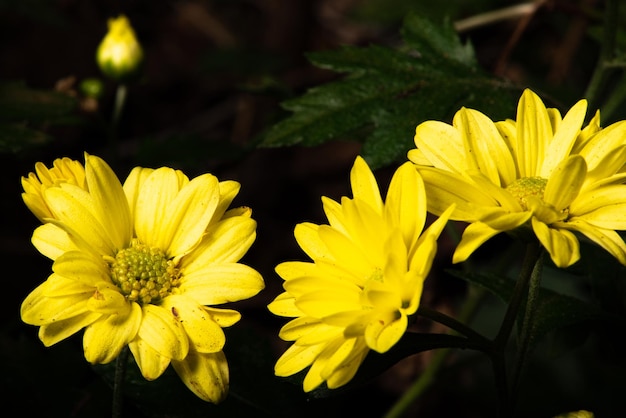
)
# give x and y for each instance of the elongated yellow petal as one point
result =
(223, 317)
(132, 187)
(484, 145)
(157, 190)
(442, 145)
(104, 339)
(76, 210)
(150, 362)
(564, 138)
(205, 374)
(565, 182)
(364, 184)
(205, 335)
(475, 235)
(188, 215)
(534, 130)
(222, 283)
(56, 331)
(405, 203)
(309, 240)
(162, 331)
(561, 244)
(382, 334)
(111, 206)
(225, 242)
(603, 143)
(605, 238)
(82, 267)
(284, 305)
(296, 358)
(52, 241)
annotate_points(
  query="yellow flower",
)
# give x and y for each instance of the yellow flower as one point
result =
(542, 172)
(119, 55)
(138, 264)
(64, 170)
(366, 278)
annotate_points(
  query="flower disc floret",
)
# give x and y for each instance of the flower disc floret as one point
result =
(144, 274)
(524, 187)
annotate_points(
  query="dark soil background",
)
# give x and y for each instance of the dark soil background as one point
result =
(215, 72)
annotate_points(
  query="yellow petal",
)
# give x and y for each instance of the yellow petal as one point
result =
(292, 269)
(77, 214)
(205, 335)
(104, 339)
(561, 244)
(603, 143)
(52, 241)
(38, 309)
(82, 267)
(564, 138)
(284, 305)
(565, 182)
(364, 185)
(223, 317)
(221, 283)
(54, 332)
(474, 236)
(205, 374)
(188, 215)
(225, 242)
(405, 203)
(444, 189)
(309, 240)
(442, 145)
(484, 145)
(163, 332)
(607, 166)
(150, 362)
(325, 302)
(349, 367)
(157, 190)
(108, 300)
(608, 239)
(132, 187)
(308, 331)
(297, 358)
(111, 206)
(534, 130)
(385, 331)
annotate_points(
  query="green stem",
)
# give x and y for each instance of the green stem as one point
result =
(118, 106)
(617, 97)
(532, 257)
(426, 379)
(526, 335)
(118, 383)
(607, 52)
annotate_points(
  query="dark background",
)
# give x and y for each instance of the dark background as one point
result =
(214, 75)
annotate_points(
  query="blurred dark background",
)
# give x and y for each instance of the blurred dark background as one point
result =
(215, 73)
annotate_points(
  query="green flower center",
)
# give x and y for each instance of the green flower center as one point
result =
(522, 188)
(144, 274)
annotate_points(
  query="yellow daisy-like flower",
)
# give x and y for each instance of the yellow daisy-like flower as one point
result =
(365, 279)
(64, 170)
(138, 264)
(119, 55)
(542, 171)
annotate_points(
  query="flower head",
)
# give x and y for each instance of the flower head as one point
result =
(64, 170)
(119, 55)
(365, 279)
(140, 265)
(543, 172)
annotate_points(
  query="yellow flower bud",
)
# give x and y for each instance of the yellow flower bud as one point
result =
(119, 55)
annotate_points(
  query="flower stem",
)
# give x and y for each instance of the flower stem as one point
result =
(118, 106)
(428, 376)
(118, 382)
(527, 283)
(607, 52)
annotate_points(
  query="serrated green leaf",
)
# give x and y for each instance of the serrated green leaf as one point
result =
(386, 92)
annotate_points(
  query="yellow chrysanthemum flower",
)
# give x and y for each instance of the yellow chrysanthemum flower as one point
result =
(119, 55)
(540, 171)
(365, 280)
(64, 170)
(138, 264)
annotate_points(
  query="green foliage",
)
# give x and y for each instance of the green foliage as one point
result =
(26, 113)
(388, 91)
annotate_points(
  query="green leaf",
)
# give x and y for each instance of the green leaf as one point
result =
(387, 92)
(26, 113)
